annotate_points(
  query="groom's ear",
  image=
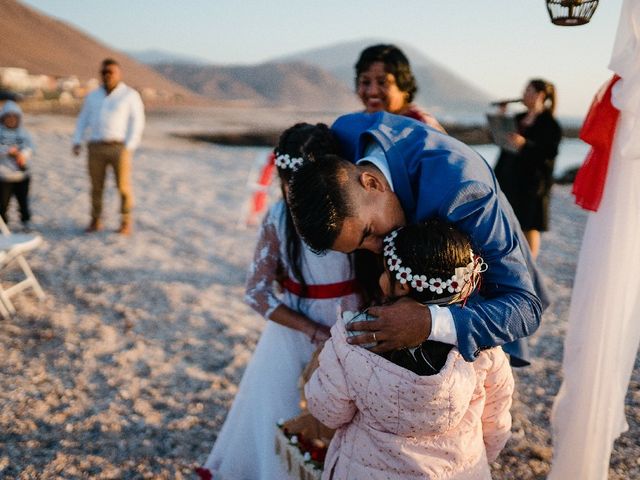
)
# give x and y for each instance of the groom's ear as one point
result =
(369, 181)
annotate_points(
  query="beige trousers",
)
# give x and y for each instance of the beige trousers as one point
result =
(101, 155)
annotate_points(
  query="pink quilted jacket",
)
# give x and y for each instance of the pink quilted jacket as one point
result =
(394, 424)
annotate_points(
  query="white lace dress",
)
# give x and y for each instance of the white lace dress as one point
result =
(269, 391)
(604, 319)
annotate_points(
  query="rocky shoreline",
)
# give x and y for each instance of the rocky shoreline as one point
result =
(469, 134)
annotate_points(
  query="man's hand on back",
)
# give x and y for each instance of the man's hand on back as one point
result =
(405, 323)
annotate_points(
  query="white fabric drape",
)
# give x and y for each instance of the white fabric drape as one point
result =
(604, 319)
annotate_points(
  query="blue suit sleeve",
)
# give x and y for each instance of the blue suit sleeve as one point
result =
(510, 308)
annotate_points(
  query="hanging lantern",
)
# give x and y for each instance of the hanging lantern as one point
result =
(571, 12)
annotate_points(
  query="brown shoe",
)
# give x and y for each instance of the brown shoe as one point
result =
(94, 226)
(125, 228)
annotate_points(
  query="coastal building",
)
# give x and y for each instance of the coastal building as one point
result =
(20, 80)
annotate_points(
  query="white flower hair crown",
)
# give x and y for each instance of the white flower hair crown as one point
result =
(454, 285)
(285, 161)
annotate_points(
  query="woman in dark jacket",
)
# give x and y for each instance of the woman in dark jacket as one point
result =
(525, 174)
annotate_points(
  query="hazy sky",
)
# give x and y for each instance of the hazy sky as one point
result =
(496, 44)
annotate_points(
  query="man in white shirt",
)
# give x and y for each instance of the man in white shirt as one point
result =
(113, 115)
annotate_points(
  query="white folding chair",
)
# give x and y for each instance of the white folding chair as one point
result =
(12, 248)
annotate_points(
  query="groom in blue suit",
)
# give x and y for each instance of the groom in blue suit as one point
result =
(400, 171)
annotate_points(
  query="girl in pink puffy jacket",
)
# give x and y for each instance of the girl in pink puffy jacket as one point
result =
(421, 413)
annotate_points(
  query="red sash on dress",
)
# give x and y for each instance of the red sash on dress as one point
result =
(325, 290)
(598, 130)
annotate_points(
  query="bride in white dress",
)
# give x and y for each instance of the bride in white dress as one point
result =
(299, 317)
(604, 320)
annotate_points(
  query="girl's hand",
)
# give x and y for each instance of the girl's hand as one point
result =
(516, 140)
(316, 332)
(20, 159)
(320, 334)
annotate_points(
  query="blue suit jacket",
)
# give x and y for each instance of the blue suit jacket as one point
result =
(436, 175)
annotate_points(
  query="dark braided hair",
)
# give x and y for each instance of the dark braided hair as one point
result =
(309, 142)
(433, 248)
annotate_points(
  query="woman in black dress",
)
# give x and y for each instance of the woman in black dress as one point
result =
(526, 176)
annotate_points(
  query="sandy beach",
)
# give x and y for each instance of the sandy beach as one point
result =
(129, 366)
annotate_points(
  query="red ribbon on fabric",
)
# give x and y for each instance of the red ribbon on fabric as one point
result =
(204, 473)
(259, 201)
(598, 130)
(325, 290)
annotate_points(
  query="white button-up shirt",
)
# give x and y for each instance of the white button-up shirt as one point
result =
(118, 116)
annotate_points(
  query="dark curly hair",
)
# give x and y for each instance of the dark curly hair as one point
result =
(434, 248)
(395, 63)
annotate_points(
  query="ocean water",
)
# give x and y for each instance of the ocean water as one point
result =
(571, 154)
(479, 118)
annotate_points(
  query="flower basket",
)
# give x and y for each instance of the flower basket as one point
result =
(301, 442)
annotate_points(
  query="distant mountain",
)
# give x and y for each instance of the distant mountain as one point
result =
(323, 79)
(43, 45)
(439, 90)
(293, 84)
(319, 79)
(153, 56)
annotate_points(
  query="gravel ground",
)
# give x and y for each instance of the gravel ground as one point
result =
(528, 453)
(129, 366)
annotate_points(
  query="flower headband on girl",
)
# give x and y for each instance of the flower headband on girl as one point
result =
(284, 161)
(460, 285)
